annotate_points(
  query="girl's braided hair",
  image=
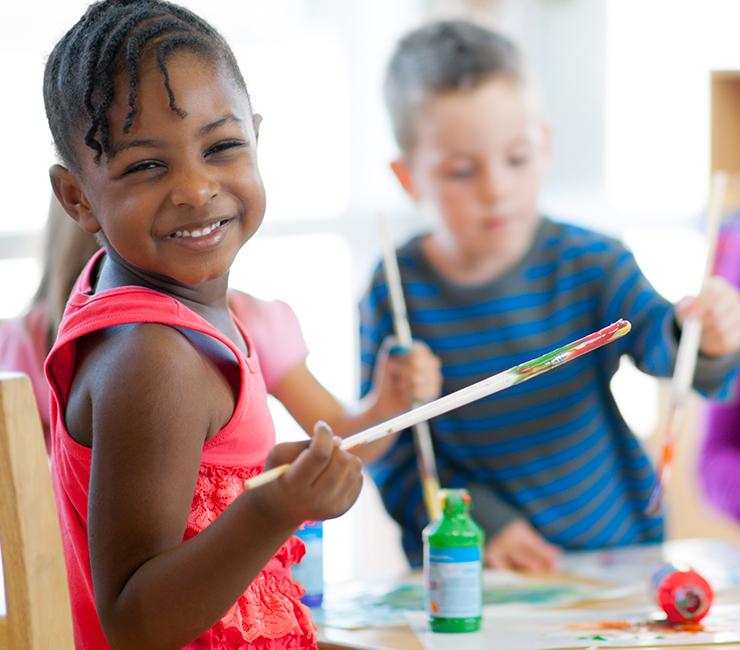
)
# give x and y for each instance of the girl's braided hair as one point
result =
(112, 38)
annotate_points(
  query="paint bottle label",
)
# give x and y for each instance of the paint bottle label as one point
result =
(682, 594)
(455, 582)
(453, 567)
(309, 573)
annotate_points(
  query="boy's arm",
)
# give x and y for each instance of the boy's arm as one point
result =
(491, 512)
(653, 342)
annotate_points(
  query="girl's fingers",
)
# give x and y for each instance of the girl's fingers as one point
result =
(285, 452)
(312, 460)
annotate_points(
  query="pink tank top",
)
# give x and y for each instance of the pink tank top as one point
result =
(269, 614)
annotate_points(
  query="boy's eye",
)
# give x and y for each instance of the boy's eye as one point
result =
(461, 172)
(521, 157)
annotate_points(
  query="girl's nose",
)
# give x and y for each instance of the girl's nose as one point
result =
(194, 187)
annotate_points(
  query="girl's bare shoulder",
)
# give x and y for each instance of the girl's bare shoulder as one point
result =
(148, 375)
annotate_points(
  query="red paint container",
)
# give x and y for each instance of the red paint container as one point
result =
(682, 594)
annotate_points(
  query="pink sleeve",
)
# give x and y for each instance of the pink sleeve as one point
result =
(23, 348)
(273, 328)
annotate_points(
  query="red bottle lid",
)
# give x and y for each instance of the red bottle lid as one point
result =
(682, 594)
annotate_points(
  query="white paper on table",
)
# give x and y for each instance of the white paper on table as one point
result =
(571, 628)
(717, 560)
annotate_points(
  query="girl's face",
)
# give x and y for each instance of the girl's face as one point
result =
(181, 192)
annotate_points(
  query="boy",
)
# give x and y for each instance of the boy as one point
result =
(551, 463)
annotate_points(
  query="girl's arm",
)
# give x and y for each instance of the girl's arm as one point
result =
(400, 381)
(154, 401)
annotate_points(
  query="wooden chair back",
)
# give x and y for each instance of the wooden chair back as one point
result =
(37, 597)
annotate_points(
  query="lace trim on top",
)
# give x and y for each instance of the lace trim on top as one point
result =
(270, 609)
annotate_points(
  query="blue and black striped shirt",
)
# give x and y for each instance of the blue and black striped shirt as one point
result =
(555, 449)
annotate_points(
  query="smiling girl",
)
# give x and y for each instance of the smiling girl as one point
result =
(158, 404)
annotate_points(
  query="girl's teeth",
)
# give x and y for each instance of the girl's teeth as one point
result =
(197, 233)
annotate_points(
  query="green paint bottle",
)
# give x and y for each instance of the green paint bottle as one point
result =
(453, 566)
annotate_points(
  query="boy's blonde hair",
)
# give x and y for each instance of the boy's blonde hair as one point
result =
(447, 56)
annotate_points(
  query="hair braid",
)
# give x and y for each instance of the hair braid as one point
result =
(109, 40)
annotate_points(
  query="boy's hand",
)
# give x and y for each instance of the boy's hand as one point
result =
(718, 309)
(520, 547)
(405, 377)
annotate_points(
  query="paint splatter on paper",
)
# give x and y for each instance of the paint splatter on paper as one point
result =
(579, 628)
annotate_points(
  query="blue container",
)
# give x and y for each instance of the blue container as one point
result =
(309, 574)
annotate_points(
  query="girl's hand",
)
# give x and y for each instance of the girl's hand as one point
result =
(718, 308)
(321, 483)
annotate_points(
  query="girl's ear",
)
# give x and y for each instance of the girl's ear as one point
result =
(257, 120)
(71, 195)
(402, 170)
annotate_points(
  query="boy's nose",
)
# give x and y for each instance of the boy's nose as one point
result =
(194, 187)
(492, 185)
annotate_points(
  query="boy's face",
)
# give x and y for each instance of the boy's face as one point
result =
(477, 165)
(180, 193)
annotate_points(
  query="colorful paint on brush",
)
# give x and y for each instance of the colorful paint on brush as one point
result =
(568, 352)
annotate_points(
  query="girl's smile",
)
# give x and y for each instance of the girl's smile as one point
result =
(201, 238)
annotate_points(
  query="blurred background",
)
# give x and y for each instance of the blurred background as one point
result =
(643, 95)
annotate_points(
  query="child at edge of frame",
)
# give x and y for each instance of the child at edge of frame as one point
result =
(158, 402)
(550, 464)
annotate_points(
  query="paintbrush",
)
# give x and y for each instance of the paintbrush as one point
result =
(489, 386)
(422, 436)
(686, 355)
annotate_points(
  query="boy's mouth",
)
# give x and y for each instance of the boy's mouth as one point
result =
(195, 233)
(497, 223)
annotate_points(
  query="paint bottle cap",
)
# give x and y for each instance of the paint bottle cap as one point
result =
(682, 594)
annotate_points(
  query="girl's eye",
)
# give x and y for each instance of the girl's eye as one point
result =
(223, 146)
(142, 166)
